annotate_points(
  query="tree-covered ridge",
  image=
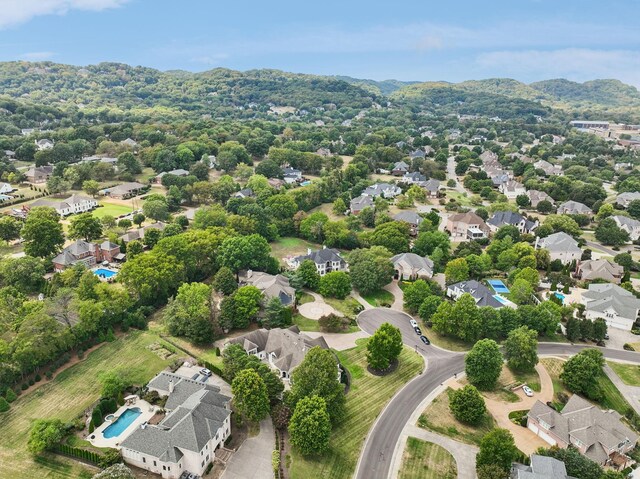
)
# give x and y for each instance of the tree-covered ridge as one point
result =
(383, 87)
(124, 86)
(603, 92)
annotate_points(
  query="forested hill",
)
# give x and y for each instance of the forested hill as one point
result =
(127, 87)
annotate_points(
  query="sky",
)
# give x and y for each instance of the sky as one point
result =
(418, 40)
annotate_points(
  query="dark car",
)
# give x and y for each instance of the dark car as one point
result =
(425, 340)
(418, 331)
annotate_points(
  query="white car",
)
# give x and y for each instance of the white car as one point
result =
(414, 323)
(205, 372)
(527, 390)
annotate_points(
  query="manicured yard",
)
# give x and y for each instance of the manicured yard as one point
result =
(446, 342)
(438, 418)
(461, 198)
(426, 460)
(305, 324)
(66, 397)
(379, 298)
(365, 400)
(629, 373)
(347, 306)
(111, 209)
(284, 247)
(508, 380)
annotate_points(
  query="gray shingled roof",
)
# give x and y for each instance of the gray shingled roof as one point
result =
(560, 242)
(482, 294)
(610, 296)
(410, 217)
(322, 256)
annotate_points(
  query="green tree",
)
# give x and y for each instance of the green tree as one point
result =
(521, 349)
(310, 426)
(393, 235)
(457, 270)
(42, 232)
(85, 226)
(45, 434)
(335, 284)
(91, 187)
(608, 233)
(250, 395)
(483, 364)
(428, 307)
(573, 329)
(317, 375)
(521, 292)
(580, 373)
(151, 277)
(134, 248)
(4, 405)
(384, 347)
(246, 252)
(139, 218)
(156, 209)
(225, 281)
(276, 315)
(339, 207)
(189, 313)
(25, 274)
(599, 330)
(112, 383)
(523, 201)
(129, 163)
(497, 447)
(307, 275)
(9, 228)
(415, 294)
(467, 405)
(247, 304)
(370, 269)
(426, 243)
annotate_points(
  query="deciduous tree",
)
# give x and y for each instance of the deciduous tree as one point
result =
(384, 347)
(483, 364)
(467, 405)
(310, 426)
(250, 395)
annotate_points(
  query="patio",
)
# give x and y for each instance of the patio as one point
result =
(96, 438)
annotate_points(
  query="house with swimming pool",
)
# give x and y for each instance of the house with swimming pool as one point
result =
(196, 424)
(87, 253)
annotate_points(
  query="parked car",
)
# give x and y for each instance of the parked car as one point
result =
(414, 323)
(418, 331)
(527, 390)
(425, 340)
(205, 372)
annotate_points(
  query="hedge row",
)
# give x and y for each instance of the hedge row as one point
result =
(83, 454)
(212, 367)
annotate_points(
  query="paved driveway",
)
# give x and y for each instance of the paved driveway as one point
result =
(253, 459)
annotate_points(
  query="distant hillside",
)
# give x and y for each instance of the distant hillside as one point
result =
(127, 87)
(384, 87)
(601, 92)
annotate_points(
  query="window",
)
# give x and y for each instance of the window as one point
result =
(154, 463)
(164, 468)
(144, 459)
(202, 464)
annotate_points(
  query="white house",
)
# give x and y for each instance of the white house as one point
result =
(72, 205)
(560, 246)
(197, 422)
(291, 175)
(512, 189)
(385, 190)
(5, 188)
(410, 266)
(326, 260)
(617, 306)
(44, 144)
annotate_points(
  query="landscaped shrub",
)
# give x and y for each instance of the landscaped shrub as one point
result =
(109, 458)
(120, 399)
(628, 347)
(24, 386)
(31, 382)
(10, 395)
(4, 405)
(97, 416)
(48, 374)
(91, 427)
(108, 406)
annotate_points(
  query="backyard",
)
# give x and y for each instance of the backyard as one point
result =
(284, 247)
(106, 208)
(426, 460)
(66, 397)
(379, 298)
(365, 400)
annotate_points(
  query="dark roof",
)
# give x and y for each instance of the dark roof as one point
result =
(322, 256)
(482, 294)
(501, 218)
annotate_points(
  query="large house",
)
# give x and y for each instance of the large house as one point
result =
(412, 218)
(629, 225)
(74, 204)
(623, 199)
(617, 306)
(326, 260)
(359, 203)
(196, 424)
(281, 349)
(272, 286)
(385, 190)
(410, 266)
(432, 188)
(482, 294)
(399, 168)
(178, 172)
(5, 188)
(599, 269)
(125, 190)
(560, 246)
(541, 467)
(512, 189)
(138, 234)
(89, 254)
(599, 435)
(536, 196)
(574, 208)
(415, 178)
(39, 174)
(548, 168)
(44, 144)
(292, 175)
(502, 218)
(467, 225)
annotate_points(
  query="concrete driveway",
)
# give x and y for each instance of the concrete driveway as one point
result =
(253, 459)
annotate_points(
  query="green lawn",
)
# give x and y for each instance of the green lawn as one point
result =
(629, 373)
(446, 342)
(111, 209)
(346, 306)
(65, 398)
(379, 298)
(284, 247)
(461, 198)
(305, 324)
(437, 417)
(426, 460)
(365, 400)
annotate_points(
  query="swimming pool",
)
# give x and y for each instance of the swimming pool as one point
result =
(305, 183)
(104, 273)
(123, 422)
(500, 299)
(498, 286)
(560, 296)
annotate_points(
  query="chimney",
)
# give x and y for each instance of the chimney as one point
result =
(308, 251)
(170, 386)
(324, 246)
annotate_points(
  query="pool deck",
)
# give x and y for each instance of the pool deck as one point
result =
(148, 411)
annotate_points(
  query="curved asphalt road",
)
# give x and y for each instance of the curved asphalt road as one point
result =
(376, 458)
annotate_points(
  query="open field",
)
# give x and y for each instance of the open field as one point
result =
(629, 373)
(113, 209)
(291, 247)
(426, 460)
(67, 397)
(365, 400)
(438, 418)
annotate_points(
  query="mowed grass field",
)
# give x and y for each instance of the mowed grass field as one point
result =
(67, 396)
(629, 373)
(111, 209)
(366, 399)
(426, 460)
(287, 246)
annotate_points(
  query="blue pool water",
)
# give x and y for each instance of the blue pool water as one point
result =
(123, 422)
(305, 183)
(560, 296)
(104, 273)
(498, 286)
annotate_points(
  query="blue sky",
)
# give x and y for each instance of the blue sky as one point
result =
(423, 40)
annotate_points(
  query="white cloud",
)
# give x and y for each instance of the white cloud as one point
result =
(15, 12)
(577, 64)
(36, 56)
